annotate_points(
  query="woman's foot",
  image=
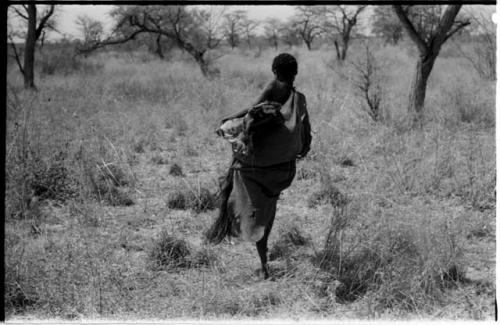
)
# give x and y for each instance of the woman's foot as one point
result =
(262, 273)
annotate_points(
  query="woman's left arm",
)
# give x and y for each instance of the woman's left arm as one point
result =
(306, 131)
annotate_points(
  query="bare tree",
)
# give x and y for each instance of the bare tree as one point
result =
(307, 23)
(91, 29)
(272, 29)
(429, 27)
(340, 22)
(368, 82)
(483, 56)
(37, 25)
(248, 27)
(194, 30)
(386, 24)
(233, 27)
(289, 34)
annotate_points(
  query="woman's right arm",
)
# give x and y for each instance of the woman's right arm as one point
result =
(265, 95)
(235, 115)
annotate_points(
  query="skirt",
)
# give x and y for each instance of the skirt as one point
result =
(254, 195)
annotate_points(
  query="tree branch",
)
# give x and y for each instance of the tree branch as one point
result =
(445, 25)
(403, 17)
(16, 55)
(359, 10)
(98, 45)
(456, 29)
(19, 13)
(43, 21)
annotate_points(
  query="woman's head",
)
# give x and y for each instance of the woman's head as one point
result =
(285, 67)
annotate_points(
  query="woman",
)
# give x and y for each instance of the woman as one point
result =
(256, 178)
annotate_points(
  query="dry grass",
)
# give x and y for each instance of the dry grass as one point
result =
(381, 222)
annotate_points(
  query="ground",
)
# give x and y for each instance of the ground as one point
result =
(416, 234)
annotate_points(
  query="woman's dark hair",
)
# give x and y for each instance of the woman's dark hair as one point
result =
(285, 65)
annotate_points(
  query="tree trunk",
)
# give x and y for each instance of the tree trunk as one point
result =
(343, 53)
(159, 49)
(202, 63)
(308, 44)
(345, 45)
(418, 88)
(337, 50)
(29, 49)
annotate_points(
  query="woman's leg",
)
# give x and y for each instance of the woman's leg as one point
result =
(262, 244)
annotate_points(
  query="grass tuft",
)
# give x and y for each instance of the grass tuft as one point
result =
(205, 257)
(328, 194)
(197, 199)
(107, 181)
(288, 243)
(159, 160)
(176, 170)
(345, 161)
(169, 252)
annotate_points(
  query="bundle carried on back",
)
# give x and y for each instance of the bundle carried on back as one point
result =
(238, 131)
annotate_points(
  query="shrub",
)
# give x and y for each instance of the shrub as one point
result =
(159, 160)
(289, 240)
(189, 151)
(176, 170)
(204, 257)
(118, 197)
(263, 301)
(168, 251)
(345, 161)
(112, 172)
(62, 60)
(369, 83)
(35, 179)
(106, 180)
(53, 181)
(199, 200)
(356, 272)
(304, 171)
(354, 269)
(177, 200)
(470, 104)
(403, 266)
(328, 194)
(180, 127)
(139, 146)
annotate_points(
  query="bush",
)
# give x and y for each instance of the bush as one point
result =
(199, 200)
(106, 180)
(204, 257)
(62, 60)
(159, 160)
(469, 102)
(168, 251)
(345, 161)
(35, 179)
(328, 194)
(288, 242)
(401, 265)
(304, 171)
(52, 181)
(176, 170)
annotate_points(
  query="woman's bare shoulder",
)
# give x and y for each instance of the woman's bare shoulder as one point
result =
(300, 95)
